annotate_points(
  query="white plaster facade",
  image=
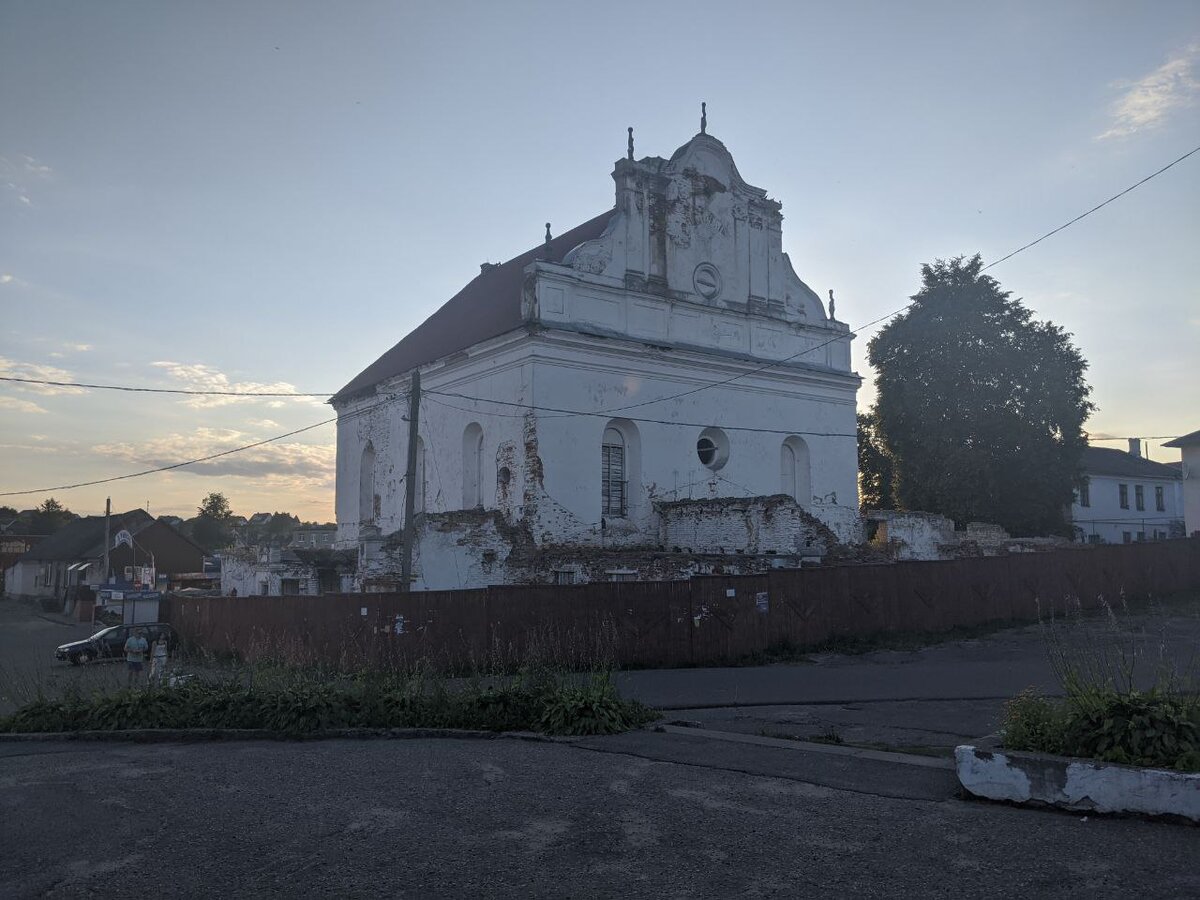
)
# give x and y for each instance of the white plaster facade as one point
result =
(652, 336)
(1127, 498)
(1189, 448)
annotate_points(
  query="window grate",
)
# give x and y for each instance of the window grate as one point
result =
(612, 480)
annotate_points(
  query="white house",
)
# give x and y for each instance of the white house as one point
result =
(1126, 497)
(655, 379)
(1189, 448)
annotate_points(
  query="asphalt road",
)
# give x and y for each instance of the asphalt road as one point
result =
(508, 818)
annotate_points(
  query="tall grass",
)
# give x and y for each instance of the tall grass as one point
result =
(1127, 698)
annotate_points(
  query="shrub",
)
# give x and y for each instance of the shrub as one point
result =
(1114, 710)
(301, 703)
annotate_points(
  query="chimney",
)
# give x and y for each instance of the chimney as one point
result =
(1135, 446)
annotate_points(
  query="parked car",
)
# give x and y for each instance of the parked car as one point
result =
(109, 643)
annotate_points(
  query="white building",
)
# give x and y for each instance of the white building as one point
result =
(580, 400)
(1126, 498)
(1189, 448)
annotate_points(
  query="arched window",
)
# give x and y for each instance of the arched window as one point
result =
(613, 483)
(473, 466)
(366, 485)
(795, 471)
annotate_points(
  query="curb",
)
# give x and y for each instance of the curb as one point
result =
(1078, 785)
(199, 735)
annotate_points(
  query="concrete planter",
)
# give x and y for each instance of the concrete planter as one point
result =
(1075, 784)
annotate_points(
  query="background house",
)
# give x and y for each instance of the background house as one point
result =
(1126, 497)
(73, 556)
(1189, 473)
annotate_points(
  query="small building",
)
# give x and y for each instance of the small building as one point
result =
(73, 556)
(314, 537)
(1189, 474)
(1125, 497)
(272, 571)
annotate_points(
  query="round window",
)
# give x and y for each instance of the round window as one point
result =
(712, 449)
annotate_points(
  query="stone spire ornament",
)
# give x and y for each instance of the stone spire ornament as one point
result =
(547, 235)
(703, 118)
(631, 142)
(832, 308)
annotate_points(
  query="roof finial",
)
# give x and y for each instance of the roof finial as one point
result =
(832, 308)
(547, 234)
(631, 142)
(703, 118)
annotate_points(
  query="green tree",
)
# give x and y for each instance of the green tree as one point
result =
(210, 529)
(980, 406)
(215, 506)
(50, 516)
(875, 486)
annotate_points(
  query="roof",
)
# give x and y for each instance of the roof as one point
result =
(1186, 441)
(1109, 461)
(489, 306)
(84, 538)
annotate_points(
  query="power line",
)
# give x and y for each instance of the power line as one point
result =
(192, 462)
(149, 390)
(765, 366)
(605, 415)
(1093, 209)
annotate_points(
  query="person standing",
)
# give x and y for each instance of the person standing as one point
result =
(135, 656)
(158, 659)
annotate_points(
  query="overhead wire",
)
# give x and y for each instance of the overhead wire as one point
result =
(606, 412)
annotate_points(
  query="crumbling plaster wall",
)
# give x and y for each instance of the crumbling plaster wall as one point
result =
(752, 525)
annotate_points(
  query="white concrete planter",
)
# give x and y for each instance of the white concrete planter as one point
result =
(1076, 784)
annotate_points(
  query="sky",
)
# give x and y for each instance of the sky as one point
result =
(268, 195)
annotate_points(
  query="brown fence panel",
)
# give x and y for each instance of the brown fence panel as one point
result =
(726, 620)
(706, 620)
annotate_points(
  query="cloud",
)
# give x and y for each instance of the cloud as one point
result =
(197, 376)
(21, 174)
(1149, 101)
(17, 405)
(286, 466)
(14, 369)
(6, 278)
(263, 423)
(77, 348)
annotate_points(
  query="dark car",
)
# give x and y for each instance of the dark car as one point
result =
(109, 643)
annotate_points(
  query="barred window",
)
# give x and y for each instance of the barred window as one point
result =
(612, 473)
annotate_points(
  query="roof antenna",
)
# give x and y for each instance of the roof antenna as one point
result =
(631, 142)
(832, 308)
(703, 118)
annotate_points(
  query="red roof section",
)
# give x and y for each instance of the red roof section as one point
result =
(489, 306)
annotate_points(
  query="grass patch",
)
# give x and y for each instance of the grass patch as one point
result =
(301, 704)
(1126, 698)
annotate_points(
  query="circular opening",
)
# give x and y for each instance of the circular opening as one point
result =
(712, 448)
(504, 476)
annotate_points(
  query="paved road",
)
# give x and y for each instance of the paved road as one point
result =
(934, 697)
(507, 818)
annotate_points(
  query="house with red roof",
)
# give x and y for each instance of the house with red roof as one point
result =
(657, 379)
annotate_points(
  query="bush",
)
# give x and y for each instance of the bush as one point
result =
(303, 704)
(1134, 728)
(1126, 700)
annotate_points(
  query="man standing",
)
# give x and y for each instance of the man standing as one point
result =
(135, 656)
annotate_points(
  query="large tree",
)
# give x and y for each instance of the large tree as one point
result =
(874, 466)
(210, 529)
(50, 516)
(980, 407)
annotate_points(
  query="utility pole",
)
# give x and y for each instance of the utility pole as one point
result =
(410, 483)
(107, 539)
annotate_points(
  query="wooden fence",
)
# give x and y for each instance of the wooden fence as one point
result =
(706, 620)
